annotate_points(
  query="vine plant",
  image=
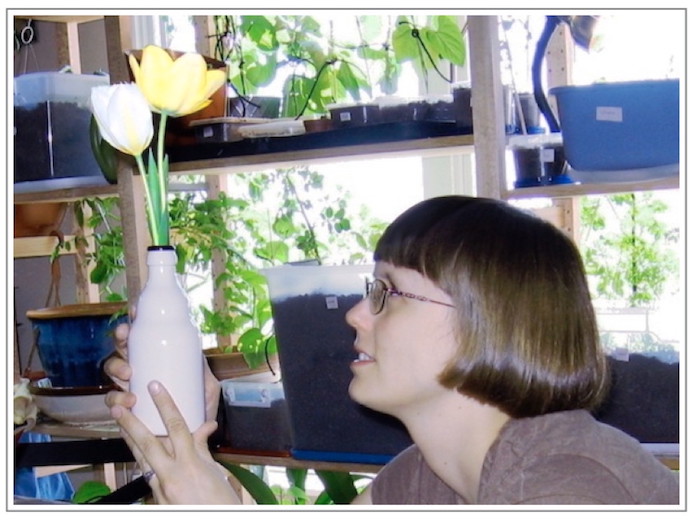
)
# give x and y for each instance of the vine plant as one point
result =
(634, 259)
(269, 218)
(317, 67)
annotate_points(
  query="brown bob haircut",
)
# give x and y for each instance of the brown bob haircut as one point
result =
(527, 330)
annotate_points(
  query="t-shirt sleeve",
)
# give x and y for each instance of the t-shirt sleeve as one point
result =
(407, 480)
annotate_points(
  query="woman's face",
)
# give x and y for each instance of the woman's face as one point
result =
(403, 349)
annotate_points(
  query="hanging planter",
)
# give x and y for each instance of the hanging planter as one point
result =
(38, 219)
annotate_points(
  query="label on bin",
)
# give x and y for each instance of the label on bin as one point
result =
(613, 114)
(252, 394)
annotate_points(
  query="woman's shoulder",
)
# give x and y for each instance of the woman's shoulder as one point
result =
(407, 479)
(569, 457)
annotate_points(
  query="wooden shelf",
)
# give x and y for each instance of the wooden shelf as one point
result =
(60, 19)
(577, 189)
(65, 194)
(229, 456)
(25, 247)
(220, 162)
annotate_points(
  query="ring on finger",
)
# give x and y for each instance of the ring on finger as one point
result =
(148, 475)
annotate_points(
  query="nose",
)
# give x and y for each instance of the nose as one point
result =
(358, 314)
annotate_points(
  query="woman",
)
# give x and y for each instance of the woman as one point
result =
(478, 333)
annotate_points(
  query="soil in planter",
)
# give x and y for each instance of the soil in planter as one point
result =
(259, 429)
(528, 167)
(52, 140)
(643, 399)
(315, 350)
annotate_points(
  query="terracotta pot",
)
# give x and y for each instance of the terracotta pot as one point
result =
(233, 365)
(318, 125)
(38, 219)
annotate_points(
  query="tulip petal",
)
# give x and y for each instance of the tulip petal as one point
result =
(175, 87)
(123, 117)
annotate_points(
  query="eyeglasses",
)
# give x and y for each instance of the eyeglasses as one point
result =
(377, 292)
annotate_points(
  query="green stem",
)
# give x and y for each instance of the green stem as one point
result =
(162, 170)
(152, 225)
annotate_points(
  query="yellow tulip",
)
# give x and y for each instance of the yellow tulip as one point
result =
(123, 116)
(175, 87)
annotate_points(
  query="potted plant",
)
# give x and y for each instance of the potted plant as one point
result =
(317, 67)
(273, 218)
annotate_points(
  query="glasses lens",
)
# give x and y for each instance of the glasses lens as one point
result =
(377, 291)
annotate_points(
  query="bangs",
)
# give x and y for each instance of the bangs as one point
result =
(412, 239)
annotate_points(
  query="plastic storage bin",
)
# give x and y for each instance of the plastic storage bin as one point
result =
(257, 419)
(344, 116)
(315, 347)
(620, 126)
(52, 128)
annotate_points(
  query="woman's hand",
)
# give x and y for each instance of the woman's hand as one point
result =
(184, 470)
(118, 369)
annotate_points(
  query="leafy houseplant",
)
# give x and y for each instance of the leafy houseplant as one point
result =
(340, 488)
(632, 261)
(317, 67)
(269, 218)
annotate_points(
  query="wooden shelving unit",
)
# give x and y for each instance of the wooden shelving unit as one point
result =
(488, 144)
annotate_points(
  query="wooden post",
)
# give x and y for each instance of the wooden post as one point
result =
(487, 106)
(133, 215)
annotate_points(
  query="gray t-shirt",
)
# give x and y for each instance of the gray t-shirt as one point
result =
(560, 458)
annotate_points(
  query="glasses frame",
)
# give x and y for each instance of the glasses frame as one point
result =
(387, 291)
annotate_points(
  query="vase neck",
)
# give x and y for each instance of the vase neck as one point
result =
(161, 257)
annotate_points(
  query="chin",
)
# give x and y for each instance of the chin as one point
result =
(363, 396)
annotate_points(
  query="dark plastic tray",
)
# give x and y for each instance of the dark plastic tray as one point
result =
(361, 135)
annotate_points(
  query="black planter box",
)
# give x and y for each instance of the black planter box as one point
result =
(315, 347)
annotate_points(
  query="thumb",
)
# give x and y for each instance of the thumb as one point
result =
(201, 435)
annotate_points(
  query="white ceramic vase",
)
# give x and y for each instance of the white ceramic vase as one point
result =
(165, 345)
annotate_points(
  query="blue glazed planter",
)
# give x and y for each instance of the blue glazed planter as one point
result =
(73, 340)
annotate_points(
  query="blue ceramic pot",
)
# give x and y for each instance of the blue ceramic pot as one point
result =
(74, 340)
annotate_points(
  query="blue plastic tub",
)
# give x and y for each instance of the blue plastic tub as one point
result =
(620, 126)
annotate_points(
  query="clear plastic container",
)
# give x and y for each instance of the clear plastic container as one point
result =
(38, 87)
(52, 128)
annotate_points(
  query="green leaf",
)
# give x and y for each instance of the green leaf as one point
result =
(256, 487)
(260, 30)
(447, 40)
(99, 274)
(340, 486)
(349, 80)
(104, 153)
(262, 71)
(405, 45)
(90, 491)
(283, 226)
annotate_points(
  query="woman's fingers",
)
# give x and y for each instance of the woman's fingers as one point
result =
(175, 424)
(147, 449)
(118, 370)
(121, 335)
(120, 398)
